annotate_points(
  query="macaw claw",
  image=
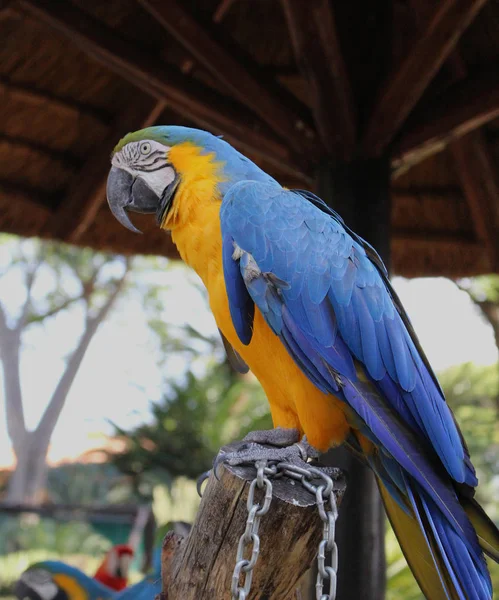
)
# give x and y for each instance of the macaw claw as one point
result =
(273, 445)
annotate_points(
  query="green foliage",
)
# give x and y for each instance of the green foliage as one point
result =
(29, 532)
(190, 424)
(472, 393)
(93, 483)
(484, 287)
(56, 276)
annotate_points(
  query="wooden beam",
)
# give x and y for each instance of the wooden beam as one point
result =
(76, 512)
(236, 78)
(186, 96)
(478, 175)
(408, 81)
(31, 95)
(8, 11)
(28, 195)
(88, 190)
(416, 191)
(222, 9)
(464, 107)
(434, 237)
(319, 57)
(61, 156)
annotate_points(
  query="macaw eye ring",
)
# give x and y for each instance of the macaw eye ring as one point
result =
(145, 148)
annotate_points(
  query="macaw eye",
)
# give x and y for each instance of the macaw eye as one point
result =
(145, 148)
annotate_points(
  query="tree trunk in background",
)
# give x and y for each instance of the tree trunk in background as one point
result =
(27, 483)
(490, 312)
(360, 192)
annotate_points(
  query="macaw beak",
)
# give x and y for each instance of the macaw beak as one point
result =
(128, 193)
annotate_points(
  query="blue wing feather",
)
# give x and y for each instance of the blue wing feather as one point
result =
(242, 308)
(338, 307)
(363, 307)
(329, 269)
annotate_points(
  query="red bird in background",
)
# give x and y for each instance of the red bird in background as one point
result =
(113, 571)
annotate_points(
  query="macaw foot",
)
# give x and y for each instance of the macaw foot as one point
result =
(273, 445)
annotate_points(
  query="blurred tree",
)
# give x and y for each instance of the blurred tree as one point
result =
(46, 279)
(471, 392)
(192, 421)
(89, 483)
(484, 293)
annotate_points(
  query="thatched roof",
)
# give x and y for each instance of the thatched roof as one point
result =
(286, 81)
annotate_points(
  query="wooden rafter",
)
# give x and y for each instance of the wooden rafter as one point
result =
(479, 180)
(236, 78)
(7, 10)
(318, 54)
(408, 81)
(434, 237)
(464, 107)
(146, 71)
(61, 156)
(31, 95)
(88, 190)
(417, 191)
(473, 160)
(222, 9)
(31, 196)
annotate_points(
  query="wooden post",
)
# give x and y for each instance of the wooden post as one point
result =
(360, 192)
(201, 566)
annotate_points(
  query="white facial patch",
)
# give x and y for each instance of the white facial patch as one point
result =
(125, 560)
(148, 160)
(41, 582)
(159, 180)
(112, 562)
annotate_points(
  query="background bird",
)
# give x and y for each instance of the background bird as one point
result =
(113, 571)
(55, 580)
(307, 305)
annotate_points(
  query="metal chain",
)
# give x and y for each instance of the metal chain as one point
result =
(250, 535)
(323, 493)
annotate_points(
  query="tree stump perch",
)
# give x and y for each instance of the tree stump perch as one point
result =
(201, 566)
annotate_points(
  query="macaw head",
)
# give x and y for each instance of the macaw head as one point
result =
(55, 580)
(148, 166)
(37, 583)
(113, 572)
(152, 167)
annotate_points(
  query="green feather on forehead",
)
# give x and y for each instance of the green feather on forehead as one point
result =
(156, 134)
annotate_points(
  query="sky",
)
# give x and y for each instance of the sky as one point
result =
(119, 376)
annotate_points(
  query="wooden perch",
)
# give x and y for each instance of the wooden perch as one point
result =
(201, 566)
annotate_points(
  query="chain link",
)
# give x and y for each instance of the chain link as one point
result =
(250, 541)
(256, 511)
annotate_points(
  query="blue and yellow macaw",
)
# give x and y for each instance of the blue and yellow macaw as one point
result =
(56, 580)
(307, 304)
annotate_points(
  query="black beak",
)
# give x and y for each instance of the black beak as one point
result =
(126, 192)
